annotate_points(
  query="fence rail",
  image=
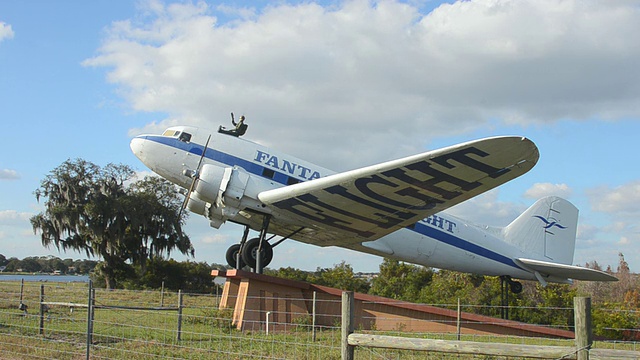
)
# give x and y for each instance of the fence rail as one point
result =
(580, 351)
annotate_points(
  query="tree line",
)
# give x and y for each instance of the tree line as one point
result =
(47, 264)
(615, 304)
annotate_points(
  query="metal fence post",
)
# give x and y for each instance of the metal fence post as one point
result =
(268, 318)
(313, 318)
(582, 317)
(21, 290)
(458, 317)
(42, 305)
(90, 319)
(162, 295)
(179, 315)
(347, 324)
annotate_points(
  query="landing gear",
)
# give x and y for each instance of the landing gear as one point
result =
(515, 286)
(246, 253)
(232, 257)
(506, 285)
(251, 250)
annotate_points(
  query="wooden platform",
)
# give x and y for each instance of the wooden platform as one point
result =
(290, 302)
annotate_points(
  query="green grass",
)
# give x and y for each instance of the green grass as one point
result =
(206, 331)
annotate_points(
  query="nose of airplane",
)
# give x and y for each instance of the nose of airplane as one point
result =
(137, 146)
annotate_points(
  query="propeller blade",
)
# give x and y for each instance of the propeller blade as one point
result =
(196, 175)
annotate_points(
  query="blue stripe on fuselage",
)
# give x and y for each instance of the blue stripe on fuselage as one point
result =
(222, 157)
(449, 239)
(282, 178)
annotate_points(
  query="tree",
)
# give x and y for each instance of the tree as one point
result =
(291, 274)
(186, 276)
(29, 264)
(341, 276)
(89, 209)
(399, 280)
(158, 222)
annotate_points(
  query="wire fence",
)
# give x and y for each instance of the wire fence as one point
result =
(72, 321)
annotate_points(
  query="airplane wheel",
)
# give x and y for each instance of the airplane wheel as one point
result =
(232, 251)
(516, 287)
(251, 248)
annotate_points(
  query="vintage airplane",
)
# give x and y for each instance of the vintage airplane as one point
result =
(393, 209)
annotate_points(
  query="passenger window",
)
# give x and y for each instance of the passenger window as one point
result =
(268, 173)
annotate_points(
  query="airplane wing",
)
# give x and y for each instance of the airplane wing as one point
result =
(368, 203)
(563, 271)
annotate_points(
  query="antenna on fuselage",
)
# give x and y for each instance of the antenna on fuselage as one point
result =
(195, 175)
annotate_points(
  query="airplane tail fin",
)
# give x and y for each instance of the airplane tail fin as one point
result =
(546, 231)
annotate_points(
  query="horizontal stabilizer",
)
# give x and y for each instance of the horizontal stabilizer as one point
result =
(547, 269)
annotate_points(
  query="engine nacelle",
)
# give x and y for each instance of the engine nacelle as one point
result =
(196, 205)
(222, 189)
(209, 183)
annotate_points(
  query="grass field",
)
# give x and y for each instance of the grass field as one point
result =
(206, 332)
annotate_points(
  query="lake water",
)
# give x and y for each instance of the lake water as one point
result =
(45, 278)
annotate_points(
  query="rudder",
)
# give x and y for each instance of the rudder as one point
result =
(546, 230)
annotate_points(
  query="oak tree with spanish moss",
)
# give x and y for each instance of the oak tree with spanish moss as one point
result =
(102, 212)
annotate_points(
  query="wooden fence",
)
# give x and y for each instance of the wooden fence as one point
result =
(581, 351)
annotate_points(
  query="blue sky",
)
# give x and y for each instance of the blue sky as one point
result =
(342, 84)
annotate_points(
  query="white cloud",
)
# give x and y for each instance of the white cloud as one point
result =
(12, 217)
(624, 241)
(6, 32)
(623, 200)
(379, 72)
(619, 205)
(587, 232)
(215, 239)
(8, 174)
(487, 209)
(539, 190)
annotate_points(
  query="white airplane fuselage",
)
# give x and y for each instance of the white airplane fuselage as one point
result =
(440, 241)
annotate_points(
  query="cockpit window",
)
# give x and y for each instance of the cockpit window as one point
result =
(171, 133)
(186, 137)
(182, 136)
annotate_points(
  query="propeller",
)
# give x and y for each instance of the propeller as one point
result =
(195, 175)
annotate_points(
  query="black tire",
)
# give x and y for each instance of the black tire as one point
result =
(232, 251)
(516, 287)
(251, 248)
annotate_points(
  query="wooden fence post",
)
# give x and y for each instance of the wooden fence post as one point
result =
(348, 310)
(583, 331)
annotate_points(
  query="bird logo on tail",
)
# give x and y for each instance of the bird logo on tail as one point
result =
(549, 224)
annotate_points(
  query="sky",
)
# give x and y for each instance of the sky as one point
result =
(342, 84)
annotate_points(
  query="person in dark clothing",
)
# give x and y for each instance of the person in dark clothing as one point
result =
(239, 130)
